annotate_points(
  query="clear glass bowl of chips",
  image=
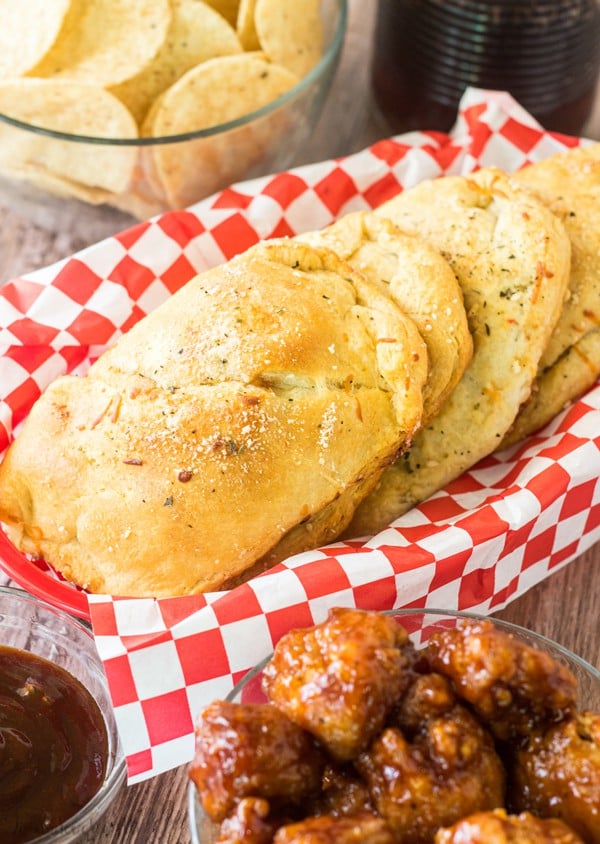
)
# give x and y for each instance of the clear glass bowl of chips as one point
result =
(222, 91)
(420, 625)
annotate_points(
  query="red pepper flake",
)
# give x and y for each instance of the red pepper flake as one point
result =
(250, 400)
(387, 340)
(541, 272)
(115, 404)
(133, 461)
(184, 476)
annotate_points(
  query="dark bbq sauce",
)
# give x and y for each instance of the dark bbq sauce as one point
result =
(53, 746)
(427, 52)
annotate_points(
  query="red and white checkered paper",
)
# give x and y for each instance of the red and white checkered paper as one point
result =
(483, 541)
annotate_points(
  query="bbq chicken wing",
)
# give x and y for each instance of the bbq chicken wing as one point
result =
(499, 828)
(557, 773)
(422, 776)
(513, 687)
(251, 750)
(339, 679)
(343, 793)
(250, 823)
(364, 828)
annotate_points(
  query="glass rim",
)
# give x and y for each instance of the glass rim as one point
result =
(509, 626)
(325, 62)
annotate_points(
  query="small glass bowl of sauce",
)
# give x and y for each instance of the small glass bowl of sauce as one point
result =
(61, 764)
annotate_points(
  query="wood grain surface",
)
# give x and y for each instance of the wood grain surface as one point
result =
(564, 607)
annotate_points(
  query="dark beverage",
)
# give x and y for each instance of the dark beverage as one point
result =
(545, 53)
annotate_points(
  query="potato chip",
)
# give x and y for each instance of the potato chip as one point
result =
(196, 33)
(73, 108)
(106, 41)
(245, 25)
(39, 177)
(290, 33)
(227, 8)
(215, 92)
(29, 29)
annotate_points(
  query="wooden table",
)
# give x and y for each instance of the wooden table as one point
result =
(563, 607)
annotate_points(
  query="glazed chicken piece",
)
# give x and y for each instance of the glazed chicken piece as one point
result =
(339, 679)
(429, 696)
(343, 793)
(432, 770)
(513, 687)
(249, 824)
(251, 750)
(499, 828)
(364, 828)
(557, 773)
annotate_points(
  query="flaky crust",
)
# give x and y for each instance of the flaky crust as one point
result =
(569, 183)
(420, 281)
(261, 393)
(571, 375)
(511, 256)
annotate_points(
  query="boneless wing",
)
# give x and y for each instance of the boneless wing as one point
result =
(557, 773)
(364, 828)
(499, 828)
(425, 775)
(513, 687)
(251, 750)
(339, 679)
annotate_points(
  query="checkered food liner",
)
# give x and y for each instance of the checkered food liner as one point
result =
(478, 544)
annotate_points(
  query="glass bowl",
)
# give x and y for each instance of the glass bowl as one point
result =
(37, 165)
(420, 624)
(31, 625)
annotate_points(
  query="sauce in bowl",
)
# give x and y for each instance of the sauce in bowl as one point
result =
(53, 746)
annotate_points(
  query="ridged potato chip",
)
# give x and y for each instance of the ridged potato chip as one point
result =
(29, 29)
(196, 33)
(218, 91)
(106, 41)
(73, 108)
(290, 33)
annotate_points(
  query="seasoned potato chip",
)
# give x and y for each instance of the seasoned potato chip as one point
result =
(290, 33)
(73, 108)
(245, 25)
(212, 93)
(29, 28)
(227, 8)
(196, 33)
(106, 41)
(217, 91)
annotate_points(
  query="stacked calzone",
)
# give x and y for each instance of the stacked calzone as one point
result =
(315, 387)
